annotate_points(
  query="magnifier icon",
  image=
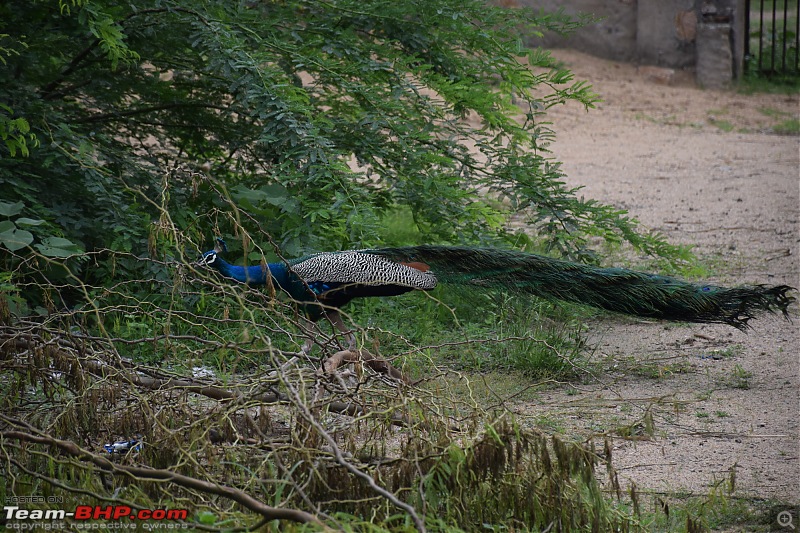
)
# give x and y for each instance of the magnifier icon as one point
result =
(785, 519)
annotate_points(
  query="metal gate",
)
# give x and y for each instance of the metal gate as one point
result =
(772, 28)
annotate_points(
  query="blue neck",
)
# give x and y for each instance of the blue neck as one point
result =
(254, 275)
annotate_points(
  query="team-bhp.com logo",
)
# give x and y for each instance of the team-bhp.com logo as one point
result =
(16, 515)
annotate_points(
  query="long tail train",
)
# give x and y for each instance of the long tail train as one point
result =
(613, 289)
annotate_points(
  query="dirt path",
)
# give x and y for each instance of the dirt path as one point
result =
(706, 169)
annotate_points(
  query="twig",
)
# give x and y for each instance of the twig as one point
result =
(240, 497)
(337, 453)
(136, 378)
(379, 365)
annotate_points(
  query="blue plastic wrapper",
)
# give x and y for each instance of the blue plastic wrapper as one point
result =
(124, 446)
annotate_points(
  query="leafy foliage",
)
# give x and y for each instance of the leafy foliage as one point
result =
(316, 118)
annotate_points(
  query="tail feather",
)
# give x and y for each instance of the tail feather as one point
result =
(613, 289)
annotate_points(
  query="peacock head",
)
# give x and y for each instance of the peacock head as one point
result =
(210, 257)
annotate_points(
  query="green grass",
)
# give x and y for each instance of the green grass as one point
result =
(724, 125)
(654, 370)
(725, 353)
(787, 127)
(789, 123)
(714, 512)
(740, 378)
(754, 84)
(773, 113)
(398, 228)
(475, 333)
(683, 263)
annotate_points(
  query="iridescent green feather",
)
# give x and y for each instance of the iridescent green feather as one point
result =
(613, 289)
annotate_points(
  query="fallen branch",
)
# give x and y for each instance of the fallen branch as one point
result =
(127, 373)
(145, 473)
(382, 366)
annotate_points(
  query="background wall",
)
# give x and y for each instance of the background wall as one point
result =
(706, 36)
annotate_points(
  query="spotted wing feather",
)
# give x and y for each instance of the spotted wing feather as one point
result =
(358, 268)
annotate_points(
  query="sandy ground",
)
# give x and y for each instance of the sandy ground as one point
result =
(706, 169)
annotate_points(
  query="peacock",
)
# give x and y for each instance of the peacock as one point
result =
(323, 283)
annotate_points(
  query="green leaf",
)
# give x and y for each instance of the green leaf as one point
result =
(273, 194)
(58, 247)
(206, 517)
(243, 194)
(7, 209)
(24, 221)
(15, 239)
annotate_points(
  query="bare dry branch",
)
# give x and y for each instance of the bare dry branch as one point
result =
(240, 497)
(379, 365)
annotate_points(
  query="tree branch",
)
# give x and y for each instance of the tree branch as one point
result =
(240, 497)
(136, 378)
(47, 91)
(144, 110)
(377, 364)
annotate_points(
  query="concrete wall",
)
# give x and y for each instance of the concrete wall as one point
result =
(665, 32)
(613, 36)
(705, 35)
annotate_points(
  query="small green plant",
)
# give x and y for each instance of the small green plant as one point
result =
(773, 113)
(718, 510)
(15, 132)
(739, 378)
(704, 395)
(724, 125)
(551, 424)
(728, 352)
(653, 367)
(19, 232)
(787, 127)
